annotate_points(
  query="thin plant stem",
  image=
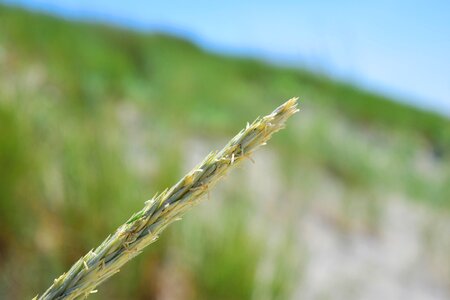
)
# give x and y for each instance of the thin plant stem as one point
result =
(144, 227)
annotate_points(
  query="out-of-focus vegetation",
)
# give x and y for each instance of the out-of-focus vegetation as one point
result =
(94, 120)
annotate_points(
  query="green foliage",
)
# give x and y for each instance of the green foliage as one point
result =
(227, 252)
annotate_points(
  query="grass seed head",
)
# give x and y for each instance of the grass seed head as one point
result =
(144, 227)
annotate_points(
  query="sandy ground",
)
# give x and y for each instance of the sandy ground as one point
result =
(390, 248)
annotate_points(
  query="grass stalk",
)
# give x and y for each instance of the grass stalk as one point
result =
(144, 227)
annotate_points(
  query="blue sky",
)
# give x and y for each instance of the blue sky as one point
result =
(400, 48)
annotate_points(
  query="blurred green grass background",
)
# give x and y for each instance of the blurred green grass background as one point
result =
(94, 120)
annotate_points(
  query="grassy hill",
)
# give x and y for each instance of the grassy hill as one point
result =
(96, 119)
